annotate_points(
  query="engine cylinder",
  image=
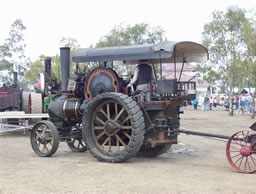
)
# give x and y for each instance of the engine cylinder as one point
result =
(63, 108)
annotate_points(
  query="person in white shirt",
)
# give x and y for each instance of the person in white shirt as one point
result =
(215, 103)
(243, 102)
(211, 102)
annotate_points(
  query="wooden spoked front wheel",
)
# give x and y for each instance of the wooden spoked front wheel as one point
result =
(44, 138)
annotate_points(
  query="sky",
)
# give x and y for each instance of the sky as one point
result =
(47, 21)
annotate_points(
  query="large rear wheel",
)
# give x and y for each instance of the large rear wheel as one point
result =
(113, 127)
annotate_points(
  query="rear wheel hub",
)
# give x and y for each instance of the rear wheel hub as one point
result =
(111, 127)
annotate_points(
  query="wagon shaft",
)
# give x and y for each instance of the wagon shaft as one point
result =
(203, 134)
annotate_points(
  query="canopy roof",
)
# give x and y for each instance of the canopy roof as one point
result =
(167, 51)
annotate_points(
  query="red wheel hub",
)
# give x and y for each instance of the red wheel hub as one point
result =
(245, 151)
(240, 151)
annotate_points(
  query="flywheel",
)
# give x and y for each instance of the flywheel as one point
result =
(26, 102)
(36, 105)
(101, 80)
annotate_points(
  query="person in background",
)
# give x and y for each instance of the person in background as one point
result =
(206, 102)
(195, 102)
(237, 101)
(215, 103)
(201, 102)
(218, 100)
(249, 103)
(143, 77)
(211, 102)
(243, 102)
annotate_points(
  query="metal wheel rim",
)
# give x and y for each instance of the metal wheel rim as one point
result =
(43, 138)
(111, 110)
(241, 151)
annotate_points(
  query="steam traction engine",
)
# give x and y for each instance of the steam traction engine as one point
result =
(99, 112)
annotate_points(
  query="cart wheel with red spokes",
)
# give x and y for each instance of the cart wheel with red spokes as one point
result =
(241, 151)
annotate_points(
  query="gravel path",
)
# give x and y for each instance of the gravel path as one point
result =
(196, 164)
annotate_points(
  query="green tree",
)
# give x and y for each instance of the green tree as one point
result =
(125, 35)
(249, 31)
(56, 67)
(12, 57)
(35, 68)
(69, 42)
(4, 55)
(64, 42)
(17, 45)
(138, 34)
(224, 38)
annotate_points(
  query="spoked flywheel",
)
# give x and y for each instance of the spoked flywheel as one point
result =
(113, 127)
(76, 142)
(241, 151)
(44, 138)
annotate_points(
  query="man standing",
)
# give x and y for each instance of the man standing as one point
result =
(195, 102)
(237, 101)
(206, 102)
(249, 103)
(143, 76)
(243, 102)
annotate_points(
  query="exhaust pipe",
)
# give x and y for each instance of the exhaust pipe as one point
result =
(48, 65)
(15, 78)
(65, 67)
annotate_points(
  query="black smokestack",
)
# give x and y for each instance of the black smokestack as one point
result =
(47, 65)
(15, 78)
(65, 67)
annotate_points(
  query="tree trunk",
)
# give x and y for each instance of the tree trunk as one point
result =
(230, 97)
(230, 106)
(253, 107)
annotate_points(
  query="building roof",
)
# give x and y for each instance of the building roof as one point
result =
(170, 67)
(185, 77)
(247, 90)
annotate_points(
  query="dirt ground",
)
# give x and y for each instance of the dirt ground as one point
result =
(196, 164)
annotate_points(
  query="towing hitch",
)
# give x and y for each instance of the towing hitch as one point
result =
(240, 148)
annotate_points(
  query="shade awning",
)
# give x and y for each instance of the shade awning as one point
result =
(164, 51)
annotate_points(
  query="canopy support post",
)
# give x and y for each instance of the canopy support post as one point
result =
(182, 67)
(175, 62)
(161, 69)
